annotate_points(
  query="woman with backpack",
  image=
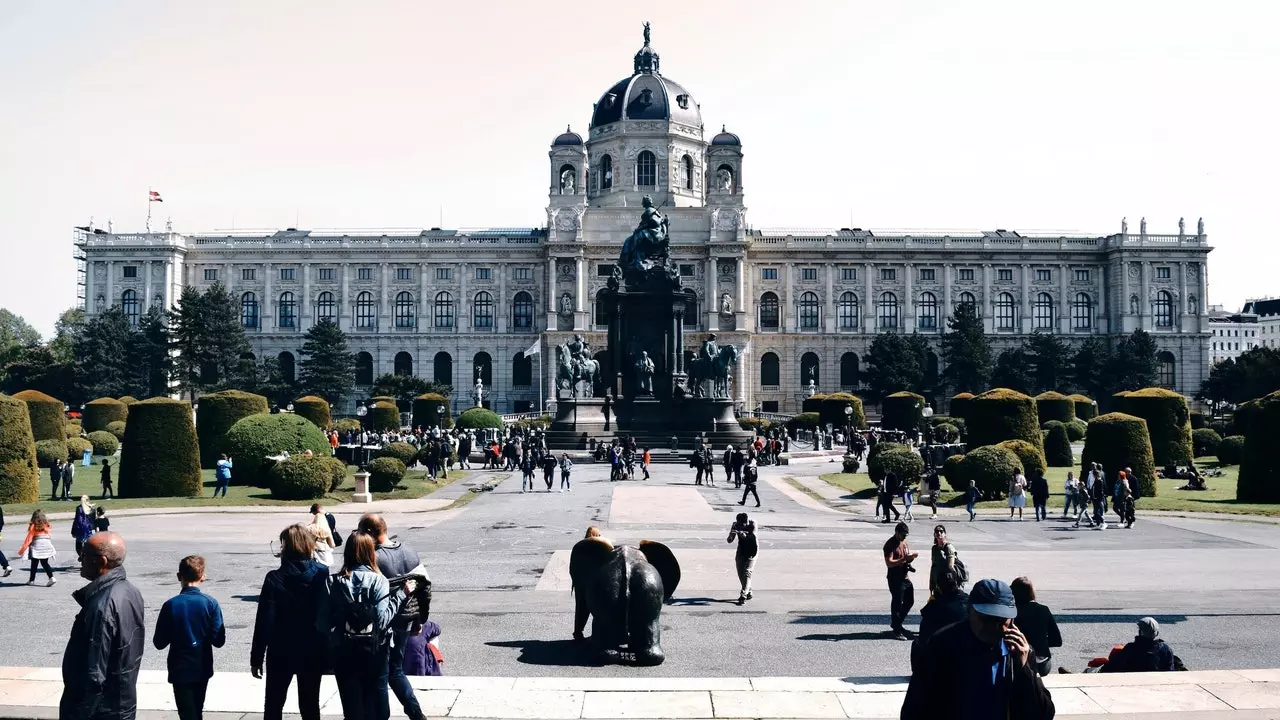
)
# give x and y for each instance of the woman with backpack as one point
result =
(362, 606)
(82, 525)
(944, 558)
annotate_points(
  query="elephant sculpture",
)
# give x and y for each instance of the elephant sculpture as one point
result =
(622, 589)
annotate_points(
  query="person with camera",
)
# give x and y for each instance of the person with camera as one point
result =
(898, 558)
(744, 531)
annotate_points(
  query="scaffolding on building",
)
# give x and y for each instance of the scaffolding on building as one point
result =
(80, 242)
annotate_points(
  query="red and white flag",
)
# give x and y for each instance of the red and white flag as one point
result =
(154, 196)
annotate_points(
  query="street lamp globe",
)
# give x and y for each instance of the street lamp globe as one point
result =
(361, 411)
(848, 411)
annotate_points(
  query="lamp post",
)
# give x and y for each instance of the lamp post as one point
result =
(848, 425)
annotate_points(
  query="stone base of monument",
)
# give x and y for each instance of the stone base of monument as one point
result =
(651, 421)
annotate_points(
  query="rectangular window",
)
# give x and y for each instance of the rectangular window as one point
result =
(769, 406)
(324, 273)
(808, 273)
(209, 275)
(927, 273)
(604, 270)
(444, 273)
(288, 273)
(1044, 275)
(848, 274)
(1082, 276)
(484, 273)
(522, 274)
(888, 274)
(131, 271)
(1163, 273)
(768, 273)
(966, 274)
(1004, 275)
(404, 273)
(247, 273)
(687, 271)
(364, 273)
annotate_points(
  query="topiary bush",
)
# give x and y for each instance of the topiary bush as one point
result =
(991, 467)
(1231, 450)
(1118, 441)
(1205, 442)
(161, 456)
(315, 409)
(426, 413)
(1002, 414)
(1030, 456)
(76, 447)
(216, 413)
(1086, 409)
(1198, 420)
(385, 473)
(900, 459)
(74, 428)
(953, 471)
(1057, 445)
(759, 426)
(803, 421)
(48, 415)
(19, 473)
(476, 418)
(49, 452)
(384, 416)
(100, 413)
(1055, 406)
(1259, 467)
(402, 451)
(1168, 423)
(946, 433)
(961, 404)
(346, 425)
(1076, 430)
(813, 403)
(129, 400)
(116, 427)
(901, 411)
(1222, 427)
(1243, 416)
(104, 443)
(301, 478)
(255, 438)
(337, 472)
(831, 410)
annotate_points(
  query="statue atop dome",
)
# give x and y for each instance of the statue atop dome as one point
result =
(647, 57)
(646, 32)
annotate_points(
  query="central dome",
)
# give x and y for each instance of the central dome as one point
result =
(646, 95)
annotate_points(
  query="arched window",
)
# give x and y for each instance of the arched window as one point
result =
(364, 368)
(967, 298)
(691, 309)
(769, 319)
(1162, 309)
(288, 311)
(129, 304)
(249, 310)
(403, 364)
(522, 311)
(482, 313)
(404, 310)
(1004, 311)
(366, 315)
(1166, 370)
(326, 308)
(809, 370)
(849, 370)
(606, 173)
(568, 179)
(442, 370)
(1082, 312)
(887, 311)
(288, 368)
(927, 312)
(646, 169)
(482, 368)
(688, 172)
(847, 311)
(602, 313)
(1042, 312)
(770, 372)
(521, 370)
(809, 311)
(444, 310)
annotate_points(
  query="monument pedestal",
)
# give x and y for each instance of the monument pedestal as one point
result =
(362, 494)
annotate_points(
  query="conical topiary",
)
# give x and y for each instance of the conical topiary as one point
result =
(19, 476)
(161, 456)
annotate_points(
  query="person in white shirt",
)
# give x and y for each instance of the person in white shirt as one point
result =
(1070, 500)
(319, 527)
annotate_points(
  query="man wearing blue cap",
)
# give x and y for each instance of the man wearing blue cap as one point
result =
(979, 668)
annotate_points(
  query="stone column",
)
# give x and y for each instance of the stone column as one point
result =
(988, 301)
(1125, 307)
(89, 266)
(268, 316)
(946, 297)
(1182, 296)
(553, 304)
(1204, 290)
(1064, 301)
(1100, 285)
(909, 302)
(228, 276)
(713, 294)
(1025, 321)
(829, 303)
(146, 287)
(1144, 279)
(424, 303)
(742, 285)
(501, 309)
(344, 311)
(304, 302)
(464, 307)
(788, 309)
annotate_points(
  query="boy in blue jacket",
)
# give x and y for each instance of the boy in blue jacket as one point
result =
(190, 625)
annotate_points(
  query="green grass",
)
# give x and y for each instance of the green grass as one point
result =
(415, 485)
(1219, 498)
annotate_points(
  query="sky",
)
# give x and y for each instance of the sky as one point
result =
(926, 114)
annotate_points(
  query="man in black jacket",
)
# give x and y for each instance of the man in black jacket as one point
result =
(979, 668)
(1147, 652)
(394, 560)
(100, 665)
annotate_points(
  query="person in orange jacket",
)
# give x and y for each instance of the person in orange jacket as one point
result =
(645, 464)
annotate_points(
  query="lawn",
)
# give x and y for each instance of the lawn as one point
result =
(1219, 498)
(415, 485)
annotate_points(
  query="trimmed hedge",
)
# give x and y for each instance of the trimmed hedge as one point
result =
(759, 426)
(901, 411)
(1259, 468)
(116, 427)
(896, 457)
(385, 473)
(946, 433)
(1002, 414)
(1086, 408)
(961, 403)
(129, 400)
(475, 418)
(19, 474)
(1168, 423)
(301, 478)
(161, 456)
(1057, 445)
(346, 425)
(1030, 456)
(384, 416)
(425, 413)
(1231, 450)
(337, 472)
(74, 429)
(254, 439)
(48, 415)
(76, 447)
(1077, 429)
(104, 443)
(991, 467)
(1118, 441)
(1055, 406)
(803, 421)
(1198, 420)
(216, 413)
(315, 409)
(1204, 442)
(1243, 416)
(49, 452)
(100, 413)
(402, 451)
(813, 403)
(953, 471)
(832, 408)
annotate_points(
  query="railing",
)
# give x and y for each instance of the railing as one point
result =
(516, 417)
(845, 239)
(771, 417)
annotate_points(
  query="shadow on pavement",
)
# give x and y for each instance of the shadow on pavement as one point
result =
(552, 652)
(836, 637)
(700, 601)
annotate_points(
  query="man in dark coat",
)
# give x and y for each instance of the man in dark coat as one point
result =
(1147, 652)
(100, 665)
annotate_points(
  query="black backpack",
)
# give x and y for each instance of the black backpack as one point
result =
(360, 635)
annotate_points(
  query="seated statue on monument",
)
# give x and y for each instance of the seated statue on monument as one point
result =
(645, 258)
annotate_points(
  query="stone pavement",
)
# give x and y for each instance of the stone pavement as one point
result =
(34, 693)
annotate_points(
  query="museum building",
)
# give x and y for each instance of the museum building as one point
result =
(454, 305)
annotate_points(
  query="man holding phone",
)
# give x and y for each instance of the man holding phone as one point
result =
(744, 531)
(979, 668)
(898, 557)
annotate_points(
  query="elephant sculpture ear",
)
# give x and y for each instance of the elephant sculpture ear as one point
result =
(662, 559)
(587, 557)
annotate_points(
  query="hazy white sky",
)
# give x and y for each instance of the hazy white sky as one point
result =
(921, 114)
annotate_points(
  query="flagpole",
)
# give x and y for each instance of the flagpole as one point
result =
(541, 402)
(148, 210)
